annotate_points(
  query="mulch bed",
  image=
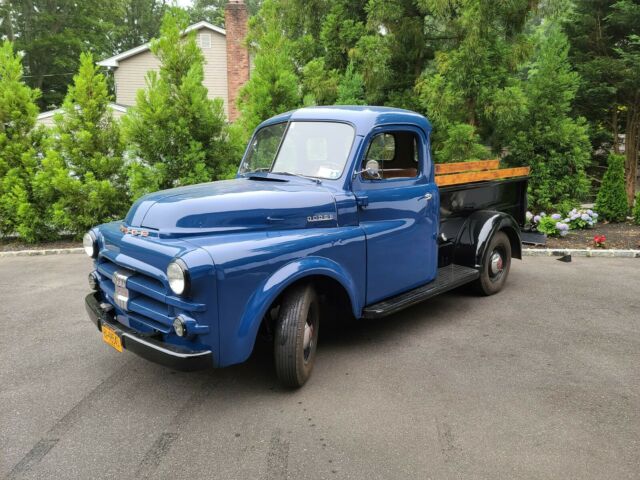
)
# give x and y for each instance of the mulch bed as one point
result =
(622, 236)
(14, 244)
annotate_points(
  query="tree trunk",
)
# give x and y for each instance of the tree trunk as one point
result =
(632, 139)
(615, 130)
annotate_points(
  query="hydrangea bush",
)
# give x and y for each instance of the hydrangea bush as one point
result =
(581, 219)
(558, 225)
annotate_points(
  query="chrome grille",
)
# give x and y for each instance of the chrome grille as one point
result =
(121, 294)
(141, 296)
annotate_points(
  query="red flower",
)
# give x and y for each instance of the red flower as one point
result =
(599, 240)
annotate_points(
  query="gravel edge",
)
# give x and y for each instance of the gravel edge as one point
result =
(527, 252)
(579, 252)
(45, 251)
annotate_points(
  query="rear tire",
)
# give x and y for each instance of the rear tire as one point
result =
(496, 263)
(296, 336)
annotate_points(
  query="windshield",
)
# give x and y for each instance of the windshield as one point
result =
(311, 149)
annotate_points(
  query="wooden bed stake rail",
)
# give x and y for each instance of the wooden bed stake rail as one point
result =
(444, 168)
(470, 177)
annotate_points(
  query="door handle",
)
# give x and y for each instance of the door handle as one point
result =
(428, 196)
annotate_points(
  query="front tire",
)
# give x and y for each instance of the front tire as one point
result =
(296, 337)
(495, 265)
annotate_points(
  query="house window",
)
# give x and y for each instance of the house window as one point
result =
(204, 40)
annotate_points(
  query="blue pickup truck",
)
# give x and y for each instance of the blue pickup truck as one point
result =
(334, 209)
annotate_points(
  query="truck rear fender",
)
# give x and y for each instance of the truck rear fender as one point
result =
(476, 233)
(287, 275)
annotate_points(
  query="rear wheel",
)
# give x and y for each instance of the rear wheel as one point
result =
(495, 265)
(296, 336)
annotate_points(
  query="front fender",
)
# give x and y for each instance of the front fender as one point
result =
(282, 278)
(476, 233)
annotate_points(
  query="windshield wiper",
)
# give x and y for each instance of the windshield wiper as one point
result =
(313, 179)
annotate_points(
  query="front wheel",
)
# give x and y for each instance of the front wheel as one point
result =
(296, 335)
(495, 265)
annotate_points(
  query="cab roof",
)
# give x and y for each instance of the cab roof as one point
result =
(364, 118)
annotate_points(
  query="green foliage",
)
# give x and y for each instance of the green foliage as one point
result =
(213, 10)
(177, 133)
(611, 202)
(273, 86)
(547, 139)
(139, 21)
(82, 176)
(351, 87)
(605, 48)
(461, 144)
(548, 226)
(52, 34)
(20, 211)
(636, 210)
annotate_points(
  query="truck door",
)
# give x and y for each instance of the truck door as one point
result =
(398, 209)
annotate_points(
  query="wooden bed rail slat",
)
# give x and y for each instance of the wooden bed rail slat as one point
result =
(444, 168)
(470, 177)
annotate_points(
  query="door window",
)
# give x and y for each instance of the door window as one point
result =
(395, 154)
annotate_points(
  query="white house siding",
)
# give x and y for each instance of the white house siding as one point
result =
(47, 118)
(215, 68)
(130, 73)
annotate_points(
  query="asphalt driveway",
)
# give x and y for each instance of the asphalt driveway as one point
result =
(540, 381)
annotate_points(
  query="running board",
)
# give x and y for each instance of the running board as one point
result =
(448, 278)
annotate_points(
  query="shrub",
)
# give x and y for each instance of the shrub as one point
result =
(20, 141)
(636, 210)
(612, 197)
(581, 219)
(550, 225)
(82, 175)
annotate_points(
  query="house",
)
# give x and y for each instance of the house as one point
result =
(226, 69)
(46, 118)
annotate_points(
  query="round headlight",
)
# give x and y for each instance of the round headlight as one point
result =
(90, 244)
(178, 277)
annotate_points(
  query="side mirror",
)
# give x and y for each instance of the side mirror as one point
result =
(372, 170)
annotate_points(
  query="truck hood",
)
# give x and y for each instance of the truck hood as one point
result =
(235, 205)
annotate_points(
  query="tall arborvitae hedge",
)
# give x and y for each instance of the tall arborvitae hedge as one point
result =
(611, 203)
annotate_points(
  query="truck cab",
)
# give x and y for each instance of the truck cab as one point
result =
(332, 207)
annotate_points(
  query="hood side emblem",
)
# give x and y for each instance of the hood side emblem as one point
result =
(321, 217)
(134, 231)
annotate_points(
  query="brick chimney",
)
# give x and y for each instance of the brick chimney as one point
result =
(236, 17)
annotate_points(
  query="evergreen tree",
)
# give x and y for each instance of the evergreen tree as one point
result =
(605, 48)
(611, 203)
(19, 160)
(273, 87)
(351, 87)
(546, 138)
(140, 22)
(178, 134)
(53, 33)
(82, 175)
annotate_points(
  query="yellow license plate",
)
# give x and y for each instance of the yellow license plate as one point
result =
(111, 337)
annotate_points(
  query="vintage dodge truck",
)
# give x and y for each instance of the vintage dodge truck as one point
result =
(331, 207)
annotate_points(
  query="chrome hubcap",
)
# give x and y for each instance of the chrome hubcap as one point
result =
(496, 263)
(308, 336)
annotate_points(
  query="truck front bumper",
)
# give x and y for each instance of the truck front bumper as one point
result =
(149, 348)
